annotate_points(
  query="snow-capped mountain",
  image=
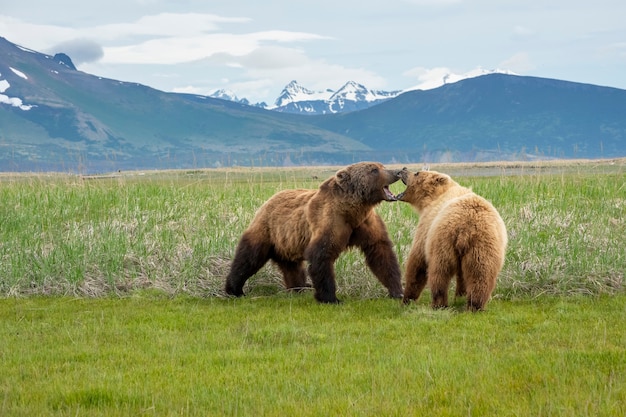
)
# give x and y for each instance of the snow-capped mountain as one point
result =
(229, 95)
(224, 95)
(353, 96)
(294, 92)
(350, 97)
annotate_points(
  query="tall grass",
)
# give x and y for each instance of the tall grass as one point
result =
(176, 231)
(566, 233)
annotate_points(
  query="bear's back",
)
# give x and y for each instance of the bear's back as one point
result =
(434, 208)
(472, 219)
(282, 220)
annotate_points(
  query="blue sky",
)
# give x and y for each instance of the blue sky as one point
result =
(255, 48)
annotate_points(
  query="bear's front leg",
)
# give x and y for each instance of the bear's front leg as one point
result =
(372, 238)
(415, 276)
(321, 255)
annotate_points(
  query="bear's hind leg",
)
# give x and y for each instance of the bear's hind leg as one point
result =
(460, 291)
(480, 285)
(294, 275)
(250, 256)
(480, 274)
(439, 277)
(477, 295)
(414, 277)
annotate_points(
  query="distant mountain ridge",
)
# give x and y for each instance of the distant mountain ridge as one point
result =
(229, 95)
(55, 118)
(297, 99)
(350, 97)
(494, 117)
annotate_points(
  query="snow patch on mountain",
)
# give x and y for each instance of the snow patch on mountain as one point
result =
(19, 73)
(12, 101)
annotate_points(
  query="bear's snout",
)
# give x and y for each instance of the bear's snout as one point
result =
(403, 174)
(392, 175)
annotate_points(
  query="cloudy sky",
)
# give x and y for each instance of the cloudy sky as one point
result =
(255, 48)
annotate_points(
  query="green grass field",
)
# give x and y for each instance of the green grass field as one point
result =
(111, 304)
(286, 355)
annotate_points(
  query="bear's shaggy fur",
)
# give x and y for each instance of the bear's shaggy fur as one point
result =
(316, 226)
(459, 233)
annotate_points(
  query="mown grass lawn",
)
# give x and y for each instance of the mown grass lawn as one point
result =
(287, 355)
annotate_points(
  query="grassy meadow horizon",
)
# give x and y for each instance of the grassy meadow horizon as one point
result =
(175, 231)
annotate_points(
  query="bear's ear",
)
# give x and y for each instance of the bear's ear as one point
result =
(343, 179)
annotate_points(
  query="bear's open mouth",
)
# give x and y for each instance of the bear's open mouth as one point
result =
(388, 194)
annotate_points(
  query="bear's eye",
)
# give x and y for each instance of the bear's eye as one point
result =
(374, 171)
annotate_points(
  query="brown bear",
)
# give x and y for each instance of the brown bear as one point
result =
(316, 226)
(459, 233)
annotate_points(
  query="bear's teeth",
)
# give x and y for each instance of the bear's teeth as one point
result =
(389, 194)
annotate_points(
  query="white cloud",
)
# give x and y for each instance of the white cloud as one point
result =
(520, 62)
(315, 74)
(265, 71)
(166, 38)
(34, 36)
(436, 77)
(164, 25)
(429, 78)
(263, 58)
(173, 50)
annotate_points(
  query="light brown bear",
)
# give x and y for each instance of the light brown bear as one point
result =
(459, 233)
(316, 226)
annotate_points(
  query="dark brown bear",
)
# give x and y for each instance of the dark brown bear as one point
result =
(316, 226)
